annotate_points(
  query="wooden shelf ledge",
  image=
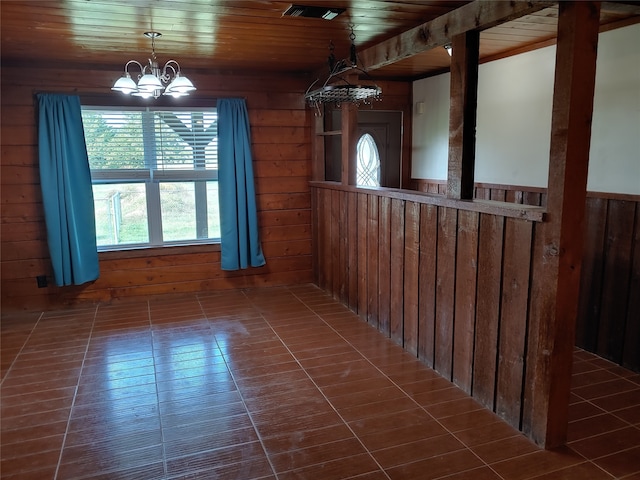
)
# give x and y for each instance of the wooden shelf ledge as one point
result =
(505, 209)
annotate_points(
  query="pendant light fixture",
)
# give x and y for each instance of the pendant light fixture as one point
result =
(152, 79)
(337, 89)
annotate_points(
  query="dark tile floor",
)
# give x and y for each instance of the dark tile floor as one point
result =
(278, 383)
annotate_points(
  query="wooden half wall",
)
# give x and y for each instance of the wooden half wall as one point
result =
(451, 285)
(473, 287)
(608, 321)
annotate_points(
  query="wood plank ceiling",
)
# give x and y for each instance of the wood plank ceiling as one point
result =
(248, 35)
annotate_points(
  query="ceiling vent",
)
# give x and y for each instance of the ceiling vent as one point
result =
(328, 13)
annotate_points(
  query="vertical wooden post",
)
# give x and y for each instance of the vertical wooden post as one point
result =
(349, 122)
(317, 146)
(405, 150)
(349, 142)
(556, 281)
(462, 115)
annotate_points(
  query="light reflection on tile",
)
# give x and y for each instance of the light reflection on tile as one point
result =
(263, 384)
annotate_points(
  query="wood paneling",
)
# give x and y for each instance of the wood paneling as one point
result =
(352, 254)
(281, 150)
(445, 290)
(427, 282)
(591, 276)
(221, 34)
(465, 301)
(397, 269)
(615, 279)
(363, 252)
(315, 235)
(335, 239)
(490, 248)
(608, 320)
(384, 266)
(513, 318)
(372, 259)
(428, 262)
(630, 349)
(254, 36)
(470, 275)
(411, 276)
(617, 318)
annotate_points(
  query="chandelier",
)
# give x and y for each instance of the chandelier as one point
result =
(152, 79)
(336, 89)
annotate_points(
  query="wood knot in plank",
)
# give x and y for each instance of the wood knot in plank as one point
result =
(552, 250)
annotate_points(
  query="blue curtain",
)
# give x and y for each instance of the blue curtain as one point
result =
(67, 194)
(239, 239)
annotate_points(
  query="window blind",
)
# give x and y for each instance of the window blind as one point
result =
(157, 140)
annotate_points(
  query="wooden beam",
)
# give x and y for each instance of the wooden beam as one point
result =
(349, 139)
(492, 207)
(623, 8)
(556, 281)
(478, 15)
(462, 115)
(317, 147)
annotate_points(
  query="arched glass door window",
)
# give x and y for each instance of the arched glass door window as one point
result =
(368, 166)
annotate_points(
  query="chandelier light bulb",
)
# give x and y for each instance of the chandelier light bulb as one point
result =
(125, 84)
(150, 83)
(175, 94)
(143, 94)
(181, 84)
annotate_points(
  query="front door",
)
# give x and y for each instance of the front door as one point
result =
(379, 135)
(378, 149)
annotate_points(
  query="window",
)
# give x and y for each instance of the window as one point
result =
(154, 175)
(368, 162)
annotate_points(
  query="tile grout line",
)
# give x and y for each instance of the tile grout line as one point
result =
(637, 387)
(346, 424)
(233, 377)
(636, 425)
(466, 447)
(13, 362)
(287, 321)
(604, 412)
(75, 393)
(318, 387)
(155, 377)
(469, 448)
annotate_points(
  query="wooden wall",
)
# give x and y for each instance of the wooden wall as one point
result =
(608, 322)
(609, 310)
(281, 146)
(451, 286)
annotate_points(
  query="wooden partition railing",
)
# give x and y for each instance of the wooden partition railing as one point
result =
(608, 321)
(609, 308)
(449, 281)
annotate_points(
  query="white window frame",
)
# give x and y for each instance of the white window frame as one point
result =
(151, 177)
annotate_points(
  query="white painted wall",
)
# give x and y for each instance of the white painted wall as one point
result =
(430, 129)
(514, 119)
(614, 164)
